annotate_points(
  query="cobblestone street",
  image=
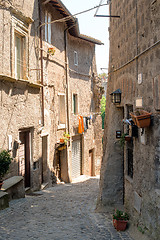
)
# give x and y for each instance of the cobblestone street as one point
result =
(63, 212)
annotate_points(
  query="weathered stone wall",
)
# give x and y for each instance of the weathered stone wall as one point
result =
(79, 82)
(134, 50)
(82, 83)
(20, 100)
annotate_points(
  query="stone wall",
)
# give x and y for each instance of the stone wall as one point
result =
(25, 99)
(20, 99)
(79, 82)
(134, 68)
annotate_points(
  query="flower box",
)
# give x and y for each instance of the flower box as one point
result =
(128, 138)
(141, 118)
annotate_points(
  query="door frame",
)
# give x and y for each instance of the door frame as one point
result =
(25, 138)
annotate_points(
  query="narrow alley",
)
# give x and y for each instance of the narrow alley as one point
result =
(66, 212)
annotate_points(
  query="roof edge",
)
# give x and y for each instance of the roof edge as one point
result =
(73, 25)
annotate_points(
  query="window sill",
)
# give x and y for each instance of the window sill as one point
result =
(11, 79)
(61, 126)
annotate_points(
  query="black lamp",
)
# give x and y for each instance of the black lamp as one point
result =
(116, 96)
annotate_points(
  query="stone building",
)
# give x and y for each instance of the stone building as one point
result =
(49, 86)
(130, 174)
(20, 91)
(72, 91)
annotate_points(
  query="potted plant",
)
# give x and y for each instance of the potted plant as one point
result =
(141, 118)
(120, 220)
(5, 161)
(65, 138)
(51, 51)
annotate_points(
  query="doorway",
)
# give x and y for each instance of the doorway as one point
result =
(44, 159)
(24, 156)
(76, 157)
(91, 163)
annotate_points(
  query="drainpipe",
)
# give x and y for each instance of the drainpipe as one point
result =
(41, 56)
(66, 68)
(67, 82)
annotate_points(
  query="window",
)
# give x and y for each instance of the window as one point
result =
(19, 55)
(75, 103)
(47, 27)
(20, 38)
(75, 58)
(62, 112)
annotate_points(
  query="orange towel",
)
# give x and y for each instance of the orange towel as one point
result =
(81, 125)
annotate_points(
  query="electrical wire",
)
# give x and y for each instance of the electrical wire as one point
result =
(21, 63)
(72, 16)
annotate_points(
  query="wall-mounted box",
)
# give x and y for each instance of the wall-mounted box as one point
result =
(139, 102)
(118, 134)
(9, 142)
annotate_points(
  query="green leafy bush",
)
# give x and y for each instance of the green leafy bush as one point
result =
(5, 161)
(120, 215)
(103, 107)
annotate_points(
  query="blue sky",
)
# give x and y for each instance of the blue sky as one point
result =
(95, 27)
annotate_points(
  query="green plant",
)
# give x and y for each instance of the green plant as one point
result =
(120, 215)
(103, 107)
(122, 139)
(5, 161)
(141, 229)
(66, 137)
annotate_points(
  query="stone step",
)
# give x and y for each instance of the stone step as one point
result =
(4, 200)
(44, 186)
(27, 190)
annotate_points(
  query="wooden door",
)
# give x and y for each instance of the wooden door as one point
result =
(24, 157)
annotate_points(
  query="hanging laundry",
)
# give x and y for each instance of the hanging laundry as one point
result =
(85, 123)
(81, 125)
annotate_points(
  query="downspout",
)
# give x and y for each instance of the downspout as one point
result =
(41, 56)
(67, 97)
(67, 81)
(66, 68)
(137, 27)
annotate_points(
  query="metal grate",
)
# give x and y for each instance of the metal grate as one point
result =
(130, 162)
(76, 158)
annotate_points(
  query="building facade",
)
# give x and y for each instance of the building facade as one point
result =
(130, 173)
(20, 92)
(49, 87)
(72, 93)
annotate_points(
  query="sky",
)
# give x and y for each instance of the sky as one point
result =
(96, 27)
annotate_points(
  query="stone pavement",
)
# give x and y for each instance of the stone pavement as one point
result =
(63, 212)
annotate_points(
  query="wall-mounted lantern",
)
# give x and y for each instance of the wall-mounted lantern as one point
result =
(116, 96)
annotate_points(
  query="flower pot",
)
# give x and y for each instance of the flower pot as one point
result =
(51, 51)
(120, 225)
(61, 140)
(128, 138)
(141, 118)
